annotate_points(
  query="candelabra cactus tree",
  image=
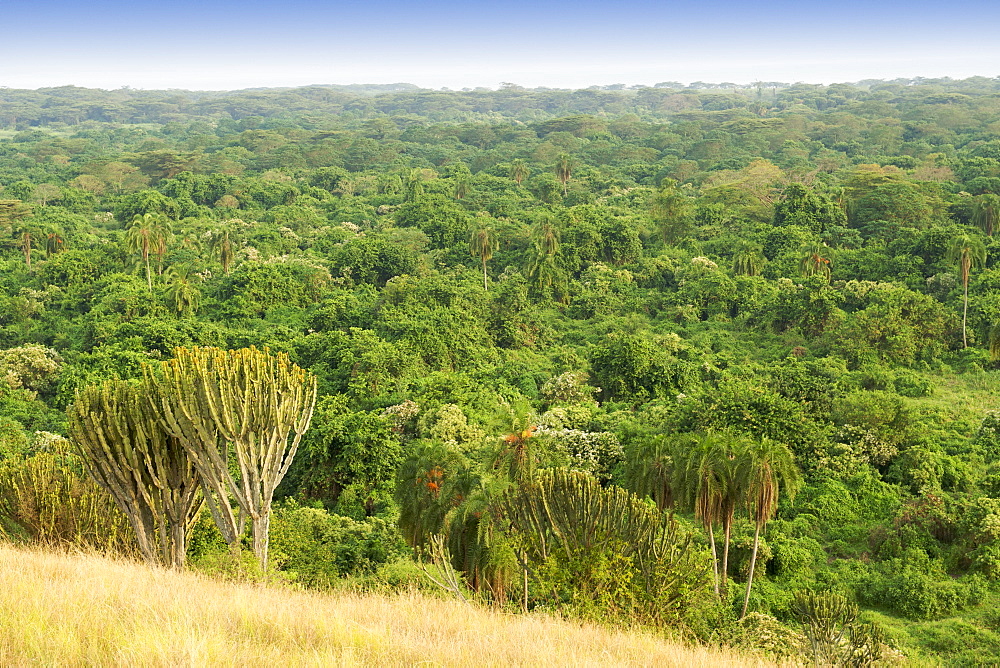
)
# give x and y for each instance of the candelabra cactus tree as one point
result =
(240, 415)
(567, 518)
(145, 469)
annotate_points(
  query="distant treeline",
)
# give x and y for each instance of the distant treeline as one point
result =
(71, 105)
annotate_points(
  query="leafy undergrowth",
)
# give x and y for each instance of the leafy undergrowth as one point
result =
(60, 609)
(970, 640)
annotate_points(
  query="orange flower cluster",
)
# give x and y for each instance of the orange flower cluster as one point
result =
(518, 437)
(432, 480)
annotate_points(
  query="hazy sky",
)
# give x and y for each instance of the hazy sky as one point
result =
(444, 43)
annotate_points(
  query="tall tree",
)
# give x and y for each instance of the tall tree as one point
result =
(182, 292)
(519, 170)
(221, 243)
(656, 469)
(544, 270)
(146, 470)
(814, 260)
(414, 186)
(769, 468)
(713, 487)
(986, 213)
(54, 242)
(461, 188)
(26, 233)
(969, 252)
(240, 415)
(564, 170)
(162, 233)
(146, 235)
(748, 259)
(483, 243)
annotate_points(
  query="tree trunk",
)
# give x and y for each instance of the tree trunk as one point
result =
(260, 527)
(965, 314)
(178, 544)
(725, 552)
(715, 561)
(484, 273)
(524, 598)
(143, 530)
(753, 563)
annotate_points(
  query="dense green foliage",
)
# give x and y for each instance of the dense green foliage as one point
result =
(496, 287)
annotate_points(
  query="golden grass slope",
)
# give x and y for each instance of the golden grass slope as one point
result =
(70, 610)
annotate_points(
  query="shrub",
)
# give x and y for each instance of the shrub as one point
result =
(917, 587)
(762, 633)
(47, 498)
(319, 548)
(602, 553)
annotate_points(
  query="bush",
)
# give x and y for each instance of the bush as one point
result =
(760, 633)
(396, 576)
(47, 498)
(318, 548)
(917, 587)
(963, 643)
(602, 553)
(910, 384)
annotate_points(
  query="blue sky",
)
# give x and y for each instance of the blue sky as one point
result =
(443, 43)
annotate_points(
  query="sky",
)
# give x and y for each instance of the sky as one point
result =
(227, 45)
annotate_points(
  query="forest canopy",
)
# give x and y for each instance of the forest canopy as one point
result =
(751, 334)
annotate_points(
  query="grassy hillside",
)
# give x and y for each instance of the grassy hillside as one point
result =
(59, 609)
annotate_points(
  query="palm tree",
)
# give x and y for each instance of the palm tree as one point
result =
(655, 468)
(986, 213)
(518, 456)
(769, 467)
(748, 260)
(425, 491)
(483, 243)
(564, 169)
(547, 236)
(161, 235)
(414, 186)
(968, 252)
(181, 290)
(461, 188)
(814, 260)
(53, 241)
(221, 242)
(701, 489)
(519, 171)
(713, 486)
(544, 269)
(546, 275)
(475, 545)
(26, 233)
(144, 237)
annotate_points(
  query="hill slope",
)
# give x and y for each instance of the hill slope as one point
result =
(59, 609)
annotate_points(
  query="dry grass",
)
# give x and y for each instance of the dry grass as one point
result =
(72, 610)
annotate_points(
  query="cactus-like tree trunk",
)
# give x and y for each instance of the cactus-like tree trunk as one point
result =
(146, 470)
(243, 407)
(566, 514)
